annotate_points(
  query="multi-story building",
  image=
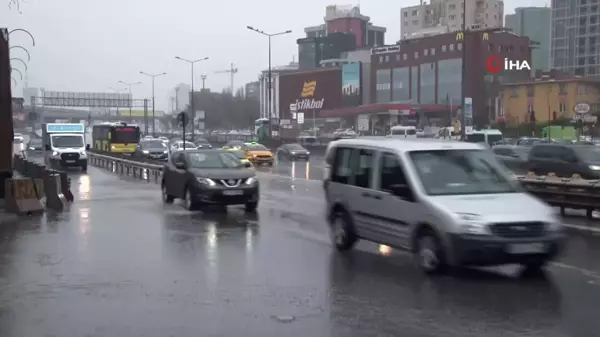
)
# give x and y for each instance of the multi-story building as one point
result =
(313, 50)
(179, 98)
(533, 22)
(264, 92)
(576, 37)
(419, 20)
(348, 19)
(252, 90)
(428, 71)
(549, 98)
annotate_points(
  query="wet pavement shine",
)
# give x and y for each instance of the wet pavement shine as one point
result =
(120, 263)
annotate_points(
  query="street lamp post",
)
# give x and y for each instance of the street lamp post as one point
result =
(130, 97)
(192, 62)
(153, 76)
(118, 91)
(269, 75)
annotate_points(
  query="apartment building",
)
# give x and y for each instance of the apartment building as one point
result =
(427, 17)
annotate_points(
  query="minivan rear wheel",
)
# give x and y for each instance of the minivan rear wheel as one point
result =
(429, 252)
(343, 235)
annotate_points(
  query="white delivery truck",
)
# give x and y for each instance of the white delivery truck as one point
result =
(65, 145)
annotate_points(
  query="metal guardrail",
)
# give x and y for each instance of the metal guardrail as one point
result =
(150, 172)
(566, 193)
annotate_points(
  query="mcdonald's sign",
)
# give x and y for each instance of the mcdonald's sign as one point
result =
(460, 36)
(486, 36)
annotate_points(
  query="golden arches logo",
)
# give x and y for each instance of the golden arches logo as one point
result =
(308, 90)
(486, 36)
(460, 36)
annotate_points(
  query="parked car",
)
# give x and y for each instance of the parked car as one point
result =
(292, 152)
(209, 177)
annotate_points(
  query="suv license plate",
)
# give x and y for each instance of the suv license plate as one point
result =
(234, 192)
(69, 161)
(527, 248)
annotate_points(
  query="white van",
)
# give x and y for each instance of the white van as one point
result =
(403, 131)
(65, 145)
(486, 136)
(450, 203)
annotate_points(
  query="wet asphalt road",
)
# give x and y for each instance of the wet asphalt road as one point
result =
(120, 263)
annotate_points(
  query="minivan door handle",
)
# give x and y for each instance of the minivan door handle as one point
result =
(369, 195)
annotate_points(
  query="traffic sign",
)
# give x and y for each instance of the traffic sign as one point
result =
(300, 117)
(293, 108)
(182, 119)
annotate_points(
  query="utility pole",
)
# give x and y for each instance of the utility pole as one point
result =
(192, 62)
(203, 78)
(153, 76)
(463, 119)
(270, 75)
(130, 97)
(231, 71)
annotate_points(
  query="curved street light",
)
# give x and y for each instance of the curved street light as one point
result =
(153, 76)
(18, 59)
(130, 97)
(20, 73)
(25, 31)
(15, 81)
(192, 62)
(26, 51)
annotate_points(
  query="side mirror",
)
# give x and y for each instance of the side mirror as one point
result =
(402, 191)
(47, 147)
(248, 164)
(180, 165)
(87, 147)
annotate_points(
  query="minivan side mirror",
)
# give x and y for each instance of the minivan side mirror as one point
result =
(402, 191)
(47, 147)
(180, 165)
(87, 147)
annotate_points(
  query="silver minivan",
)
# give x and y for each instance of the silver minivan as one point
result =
(450, 203)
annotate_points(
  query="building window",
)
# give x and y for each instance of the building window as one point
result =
(443, 48)
(415, 22)
(451, 7)
(432, 51)
(530, 91)
(452, 17)
(562, 89)
(490, 47)
(451, 47)
(405, 14)
(425, 52)
(416, 55)
(397, 57)
(459, 46)
(562, 107)
(514, 92)
(404, 56)
(380, 58)
(415, 13)
(581, 89)
(387, 58)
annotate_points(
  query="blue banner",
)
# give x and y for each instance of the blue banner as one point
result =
(65, 128)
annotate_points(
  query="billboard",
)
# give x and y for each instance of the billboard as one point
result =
(85, 99)
(351, 91)
(310, 90)
(140, 113)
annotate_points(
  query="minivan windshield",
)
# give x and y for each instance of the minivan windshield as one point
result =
(458, 172)
(67, 141)
(588, 153)
(213, 160)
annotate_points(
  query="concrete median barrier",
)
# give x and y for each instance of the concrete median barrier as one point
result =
(55, 199)
(24, 196)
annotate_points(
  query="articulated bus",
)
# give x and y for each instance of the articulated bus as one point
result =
(116, 137)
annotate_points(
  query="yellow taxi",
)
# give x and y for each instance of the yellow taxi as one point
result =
(241, 155)
(258, 154)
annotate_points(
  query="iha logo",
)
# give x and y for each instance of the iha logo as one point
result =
(495, 64)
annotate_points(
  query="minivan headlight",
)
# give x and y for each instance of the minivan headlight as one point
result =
(595, 167)
(251, 181)
(554, 225)
(472, 224)
(206, 181)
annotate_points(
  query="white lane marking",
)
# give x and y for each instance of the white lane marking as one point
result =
(593, 228)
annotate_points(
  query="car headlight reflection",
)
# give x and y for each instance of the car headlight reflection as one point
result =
(251, 181)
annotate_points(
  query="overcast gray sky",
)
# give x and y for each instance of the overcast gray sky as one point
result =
(87, 46)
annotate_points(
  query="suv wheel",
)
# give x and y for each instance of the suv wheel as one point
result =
(251, 207)
(343, 235)
(190, 203)
(429, 252)
(167, 199)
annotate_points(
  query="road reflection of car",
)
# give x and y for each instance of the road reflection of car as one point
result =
(565, 160)
(513, 157)
(258, 154)
(202, 143)
(451, 204)
(152, 149)
(209, 177)
(179, 145)
(241, 155)
(292, 152)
